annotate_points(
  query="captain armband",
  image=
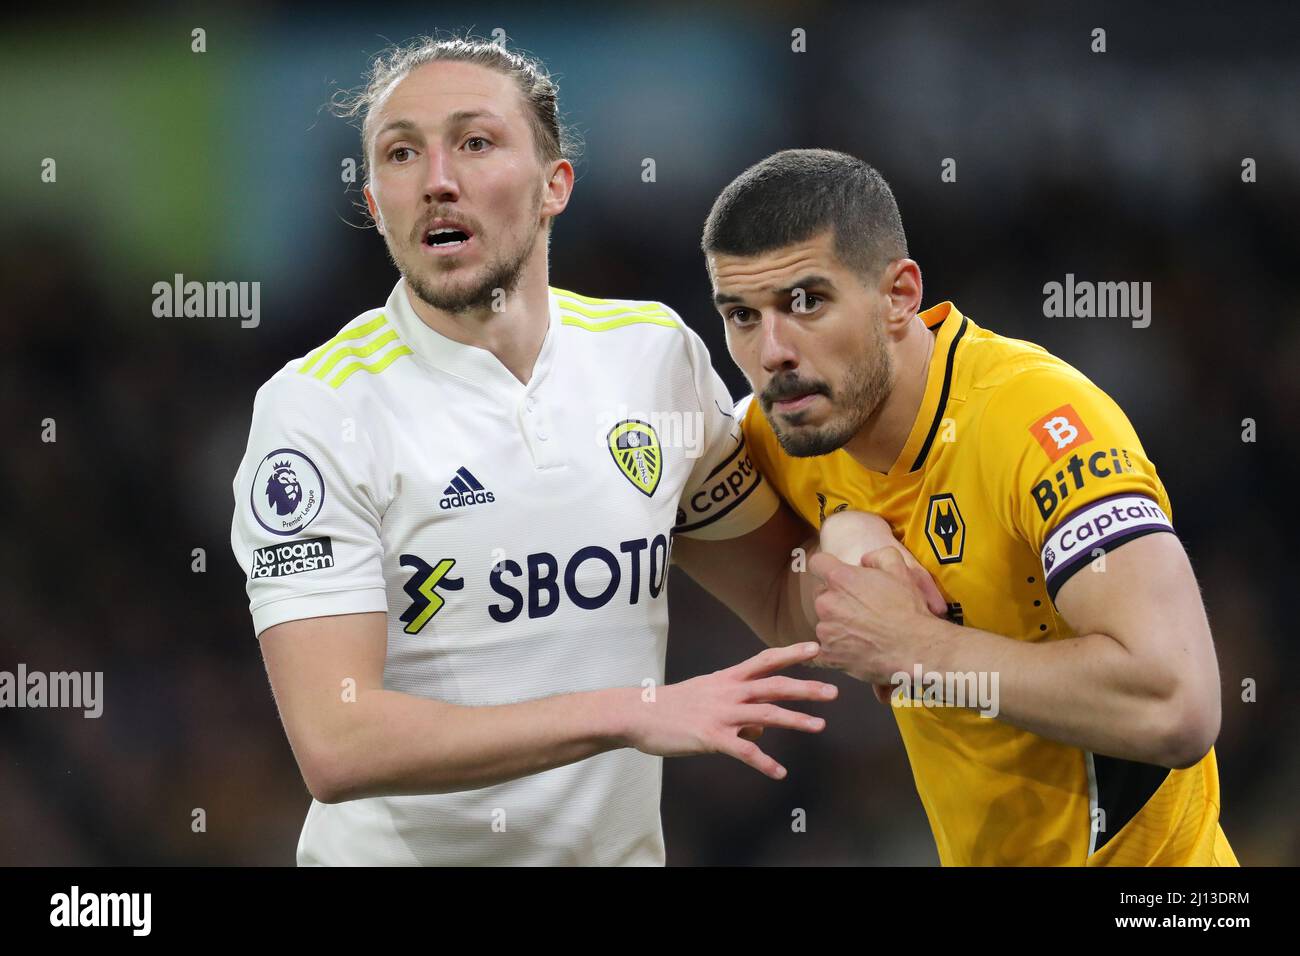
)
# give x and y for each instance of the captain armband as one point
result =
(1095, 529)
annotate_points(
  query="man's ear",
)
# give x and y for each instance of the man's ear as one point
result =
(558, 189)
(901, 282)
(373, 207)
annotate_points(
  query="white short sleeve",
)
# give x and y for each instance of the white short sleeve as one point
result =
(726, 496)
(308, 505)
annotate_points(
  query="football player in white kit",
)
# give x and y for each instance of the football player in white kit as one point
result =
(456, 516)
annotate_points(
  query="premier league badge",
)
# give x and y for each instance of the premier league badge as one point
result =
(287, 493)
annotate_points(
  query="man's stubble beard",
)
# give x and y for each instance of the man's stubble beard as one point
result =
(502, 274)
(865, 388)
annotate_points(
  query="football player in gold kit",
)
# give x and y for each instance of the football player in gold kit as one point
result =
(1023, 490)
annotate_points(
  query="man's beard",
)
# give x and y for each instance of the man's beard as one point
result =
(866, 386)
(503, 275)
(498, 282)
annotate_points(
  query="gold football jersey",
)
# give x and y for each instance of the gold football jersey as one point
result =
(1018, 473)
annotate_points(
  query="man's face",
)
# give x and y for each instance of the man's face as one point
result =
(808, 334)
(456, 187)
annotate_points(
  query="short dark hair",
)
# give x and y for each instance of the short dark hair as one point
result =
(797, 193)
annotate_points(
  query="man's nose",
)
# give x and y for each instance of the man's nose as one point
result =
(777, 352)
(440, 184)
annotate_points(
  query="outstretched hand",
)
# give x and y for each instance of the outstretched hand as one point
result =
(726, 711)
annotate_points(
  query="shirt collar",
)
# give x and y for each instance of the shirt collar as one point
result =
(471, 363)
(948, 326)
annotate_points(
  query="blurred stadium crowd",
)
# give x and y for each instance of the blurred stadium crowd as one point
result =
(1116, 166)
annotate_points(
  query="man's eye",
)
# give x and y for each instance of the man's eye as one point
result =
(808, 303)
(403, 150)
(740, 317)
(482, 144)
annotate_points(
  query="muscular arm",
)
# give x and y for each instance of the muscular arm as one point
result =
(352, 738)
(1139, 681)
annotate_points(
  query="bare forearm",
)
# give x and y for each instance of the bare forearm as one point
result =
(1088, 691)
(390, 743)
(796, 616)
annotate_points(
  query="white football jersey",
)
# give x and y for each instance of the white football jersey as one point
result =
(517, 536)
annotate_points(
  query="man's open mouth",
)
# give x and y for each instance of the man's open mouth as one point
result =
(446, 237)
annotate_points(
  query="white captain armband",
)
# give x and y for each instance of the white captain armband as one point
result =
(723, 491)
(1095, 529)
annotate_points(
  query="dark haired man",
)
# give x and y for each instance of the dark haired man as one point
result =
(1020, 486)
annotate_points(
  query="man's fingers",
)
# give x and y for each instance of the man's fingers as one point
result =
(748, 752)
(847, 656)
(827, 633)
(789, 688)
(823, 564)
(750, 733)
(770, 715)
(776, 658)
(886, 559)
(929, 590)
(843, 578)
(925, 583)
(901, 564)
(835, 606)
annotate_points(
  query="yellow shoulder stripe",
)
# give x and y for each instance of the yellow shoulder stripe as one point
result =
(579, 299)
(568, 319)
(360, 351)
(600, 315)
(340, 347)
(386, 360)
(360, 332)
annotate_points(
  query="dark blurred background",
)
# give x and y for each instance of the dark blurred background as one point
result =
(1116, 166)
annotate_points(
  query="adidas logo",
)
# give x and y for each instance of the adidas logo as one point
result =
(464, 490)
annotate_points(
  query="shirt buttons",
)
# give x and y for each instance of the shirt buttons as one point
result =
(530, 404)
(542, 436)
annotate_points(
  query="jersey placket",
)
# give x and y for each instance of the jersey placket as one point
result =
(533, 410)
(486, 373)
